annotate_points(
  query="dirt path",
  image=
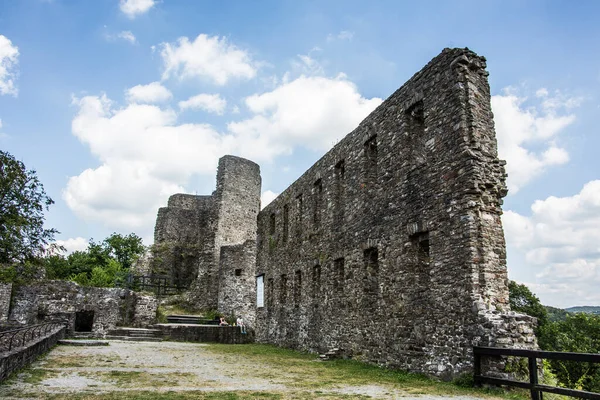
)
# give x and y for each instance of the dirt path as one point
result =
(172, 366)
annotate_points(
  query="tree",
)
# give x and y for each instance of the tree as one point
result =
(125, 249)
(22, 205)
(579, 333)
(522, 300)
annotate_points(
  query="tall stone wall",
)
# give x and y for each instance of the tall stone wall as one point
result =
(237, 293)
(191, 231)
(391, 246)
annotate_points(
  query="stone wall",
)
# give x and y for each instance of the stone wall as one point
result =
(237, 294)
(205, 333)
(21, 357)
(391, 246)
(62, 300)
(5, 294)
(191, 231)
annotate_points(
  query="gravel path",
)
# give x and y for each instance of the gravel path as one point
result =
(164, 366)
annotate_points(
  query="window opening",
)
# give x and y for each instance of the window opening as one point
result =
(298, 288)
(371, 162)
(318, 200)
(283, 289)
(260, 288)
(238, 272)
(338, 268)
(286, 218)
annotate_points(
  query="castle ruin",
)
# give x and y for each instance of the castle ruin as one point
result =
(389, 247)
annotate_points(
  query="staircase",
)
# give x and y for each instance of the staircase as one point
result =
(135, 334)
(333, 354)
(190, 320)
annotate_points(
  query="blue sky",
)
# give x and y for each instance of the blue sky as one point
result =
(118, 104)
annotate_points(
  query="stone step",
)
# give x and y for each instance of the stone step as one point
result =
(190, 319)
(68, 342)
(134, 339)
(139, 333)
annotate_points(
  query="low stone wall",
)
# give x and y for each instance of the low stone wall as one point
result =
(205, 333)
(21, 357)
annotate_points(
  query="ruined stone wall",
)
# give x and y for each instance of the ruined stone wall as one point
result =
(5, 294)
(61, 300)
(391, 246)
(191, 230)
(184, 240)
(237, 294)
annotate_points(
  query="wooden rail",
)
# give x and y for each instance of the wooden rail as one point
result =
(533, 385)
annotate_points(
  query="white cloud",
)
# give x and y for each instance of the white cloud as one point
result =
(73, 244)
(133, 8)
(151, 93)
(128, 36)
(527, 136)
(9, 55)
(212, 103)
(342, 35)
(267, 197)
(146, 155)
(560, 239)
(210, 58)
(313, 112)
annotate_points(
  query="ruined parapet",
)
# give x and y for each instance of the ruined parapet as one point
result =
(391, 245)
(184, 238)
(237, 294)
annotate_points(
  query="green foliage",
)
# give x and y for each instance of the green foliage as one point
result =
(22, 204)
(102, 264)
(578, 333)
(556, 314)
(522, 300)
(559, 330)
(22, 274)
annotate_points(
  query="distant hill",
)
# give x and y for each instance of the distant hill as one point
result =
(556, 314)
(585, 309)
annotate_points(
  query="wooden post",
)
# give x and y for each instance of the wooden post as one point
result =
(533, 378)
(477, 368)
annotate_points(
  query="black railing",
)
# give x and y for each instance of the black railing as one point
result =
(159, 284)
(533, 385)
(20, 336)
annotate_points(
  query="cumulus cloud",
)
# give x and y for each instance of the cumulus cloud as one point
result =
(212, 103)
(560, 239)
(207, 57)
(133, 8)
(527, 137)
(313, 112)
(151, 93)
(267, 197)
(73, 244)
(146, 155)
(9, 55)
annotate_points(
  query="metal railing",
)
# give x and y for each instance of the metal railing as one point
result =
(159, 284)
(533, 385)
(20, 336)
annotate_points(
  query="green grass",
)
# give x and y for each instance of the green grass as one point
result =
(302, 371)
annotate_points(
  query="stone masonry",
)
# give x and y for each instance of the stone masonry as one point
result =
(64, 300)
(193, 234)
(5, 295)
(390, 247)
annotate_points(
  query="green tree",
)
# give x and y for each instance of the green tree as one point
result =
(125, 249)
(22, 205)
(579, 333)
(522, 300)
